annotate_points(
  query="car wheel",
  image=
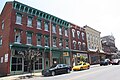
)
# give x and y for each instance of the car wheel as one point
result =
(53, 73)
(68, 70)
(88, 67)
(81, 68)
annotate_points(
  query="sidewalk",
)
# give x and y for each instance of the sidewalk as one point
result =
(21, 76)
(25, 76)
(96, 65)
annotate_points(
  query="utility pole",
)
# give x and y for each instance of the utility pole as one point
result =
(50, 43)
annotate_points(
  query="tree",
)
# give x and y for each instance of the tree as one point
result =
(30, 56)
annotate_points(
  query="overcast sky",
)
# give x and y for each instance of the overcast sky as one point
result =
(102, 15)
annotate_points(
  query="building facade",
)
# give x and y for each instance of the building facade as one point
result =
(78, 44)
(94, 45)
(23, 28)
(108, 45)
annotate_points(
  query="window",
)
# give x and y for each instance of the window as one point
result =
(78, 34)
(16, 64)
(88, 36)
(66, 32)
(18, 18)
(29, 23)
(17, 36)
(38, 64)
(84, 46)
(46, 26)
(0, 40)
(39, 37)
(29, 38)
(79, 45)
(73, 32)
(67, 44)
(74, 44)
(54, 41)
(54, 28)
(46, 41)
(3, 25)
(39, 24)
(60, 30)
(60, 43)
(83, 36)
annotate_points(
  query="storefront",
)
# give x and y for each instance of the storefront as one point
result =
(78, 57)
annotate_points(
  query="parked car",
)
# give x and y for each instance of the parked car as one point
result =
(105, 62)
(115, 61)
(56, 69)
(81, 66)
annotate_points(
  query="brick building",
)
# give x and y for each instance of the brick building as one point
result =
(23, 27)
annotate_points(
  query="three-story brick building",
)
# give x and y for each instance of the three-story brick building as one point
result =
(23, 27)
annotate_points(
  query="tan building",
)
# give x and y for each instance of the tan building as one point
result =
(94, 46)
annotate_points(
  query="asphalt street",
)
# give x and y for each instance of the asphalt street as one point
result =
(111, 72)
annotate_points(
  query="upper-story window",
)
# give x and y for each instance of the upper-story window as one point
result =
(66, 32)
(0, 40)
(46, 41)
(17, 36)
(39, 39)
(39, 24)
(84, 46)
(60, 43)
(79, 45)
(60, 30)
(67, 44)
(53, 28)
(29, 38)
(83, 35)
(74, 44)
(54, 42)
(73, 32)
(3, 25)
(88, 36)
(29, 22)
(46, 26)
(78, 34)
(18, 18)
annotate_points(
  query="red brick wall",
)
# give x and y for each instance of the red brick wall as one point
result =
(6, 16)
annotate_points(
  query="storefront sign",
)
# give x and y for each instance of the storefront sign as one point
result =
(1, 59)
(65, 54)
(6, 57)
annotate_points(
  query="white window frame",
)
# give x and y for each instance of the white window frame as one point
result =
(79, 45)
(74, 44)
(53, 28)
(39, 36)
(54, 42)
(18, 39)
(29, 22)
(83, 36)
(66, 32)
(78, 34)
(19, 18)
(60, 30)
(29, 38)
(3, 25)
(73, 32)
(0, 40)
(46, 26)
(39, 24)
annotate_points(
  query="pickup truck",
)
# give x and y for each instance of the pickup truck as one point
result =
(115, 61)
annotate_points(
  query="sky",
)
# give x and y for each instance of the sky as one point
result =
(101, 15)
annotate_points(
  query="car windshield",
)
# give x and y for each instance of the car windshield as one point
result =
(79, 63)
(53, 66)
